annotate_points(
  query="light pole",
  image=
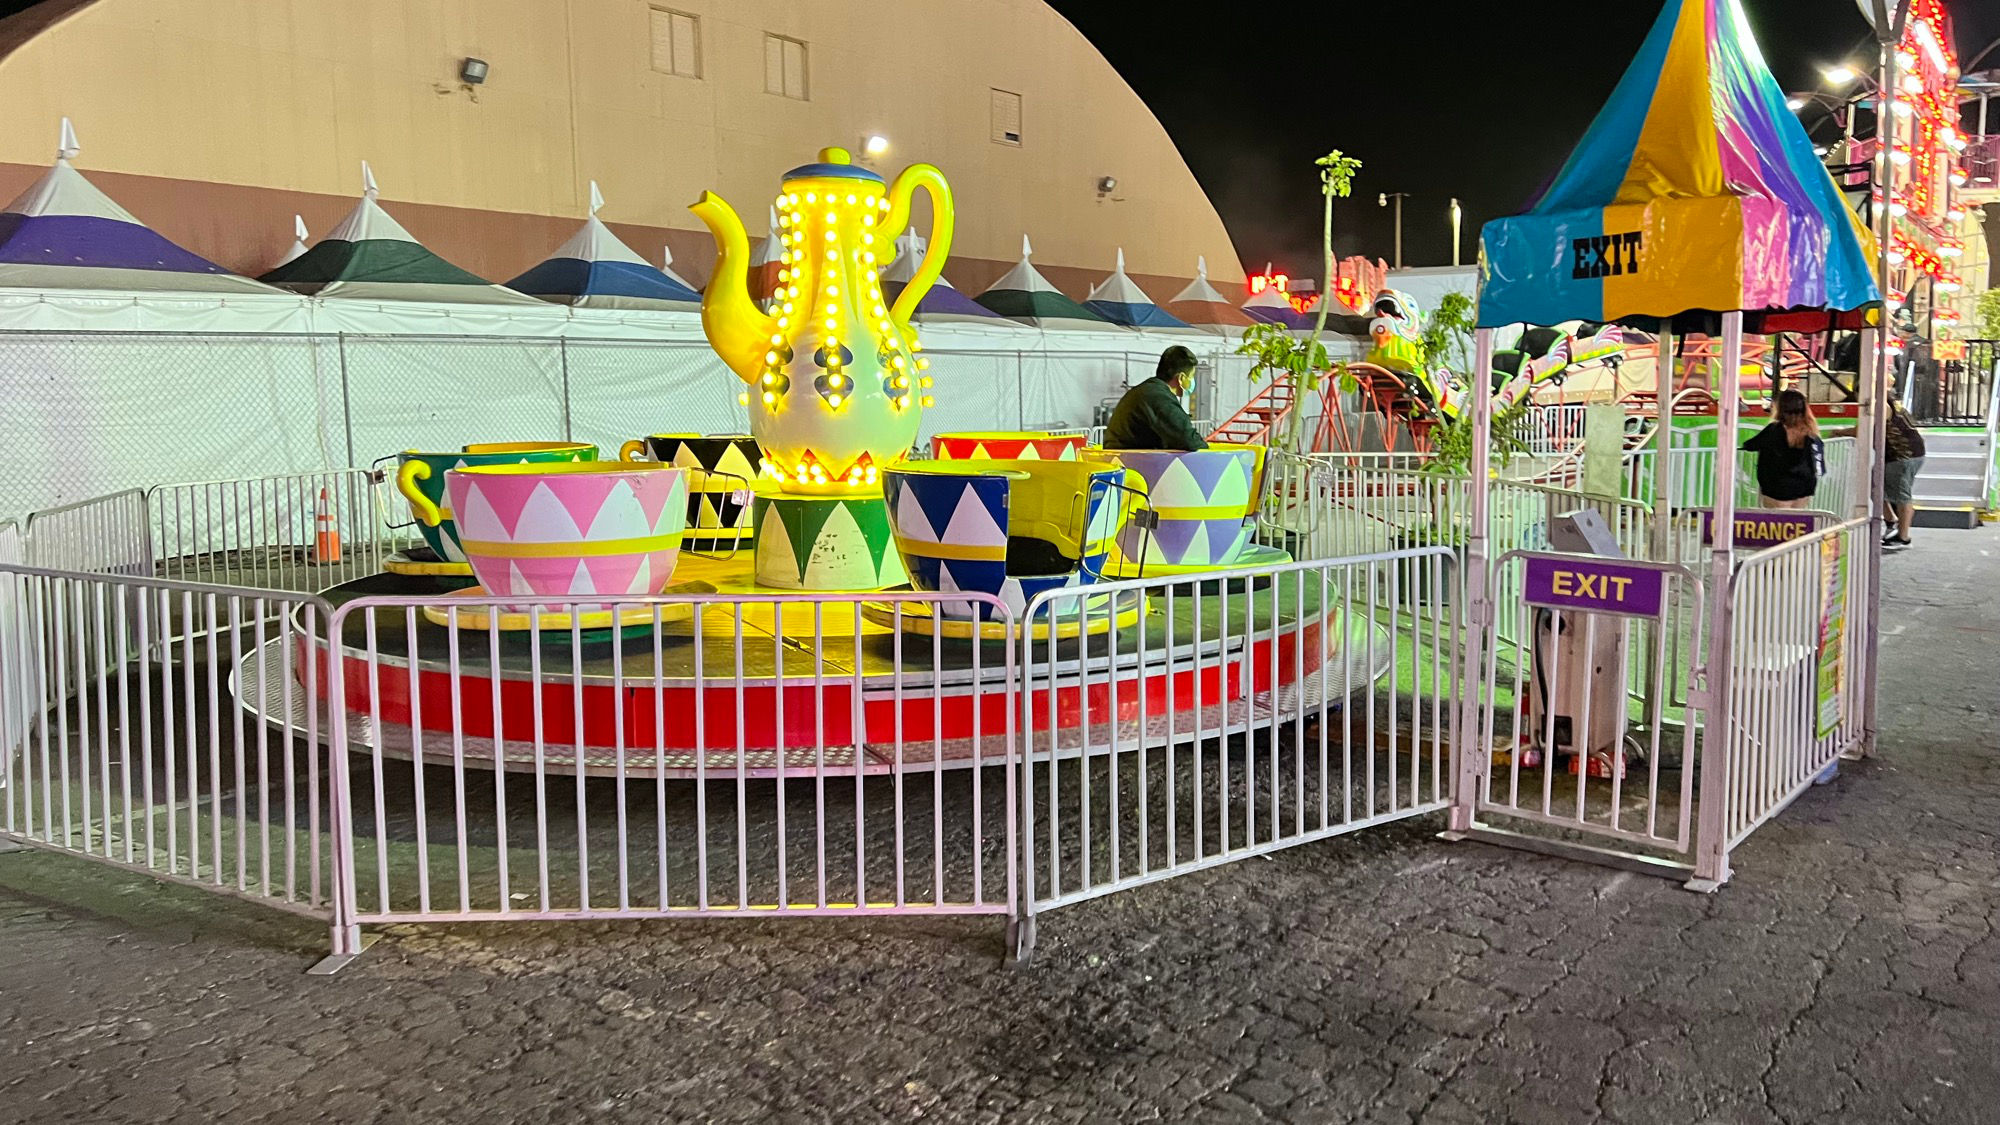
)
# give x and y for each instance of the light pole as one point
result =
(1383, 201)
(1887, 18)
(1456, 218)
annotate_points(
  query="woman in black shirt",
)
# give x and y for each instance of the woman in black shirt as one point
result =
(1790, 455)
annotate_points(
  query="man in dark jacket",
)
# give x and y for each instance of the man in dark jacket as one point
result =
(1150, 416)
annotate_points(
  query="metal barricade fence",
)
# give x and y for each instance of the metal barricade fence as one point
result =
(102, 535)
(20, 680)
(1553, 427)
(134, 750)
(1178, 723)
(303, 531)
(1694, 477)
(707, 762)
(1794, 646)
(1570, 755)
(1372, 504)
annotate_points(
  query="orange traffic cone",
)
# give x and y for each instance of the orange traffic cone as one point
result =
(326, 540)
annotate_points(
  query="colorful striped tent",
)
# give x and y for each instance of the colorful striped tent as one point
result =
(1119, 301)
(1695, 189)
(942, 304)
(1023, 294)
(370, 257)
(1201, 306)
(595, 270)
(63, 233)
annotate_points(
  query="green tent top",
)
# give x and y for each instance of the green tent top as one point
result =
(370, 257)
(1023, 294)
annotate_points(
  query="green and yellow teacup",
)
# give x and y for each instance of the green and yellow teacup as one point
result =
(420, 478)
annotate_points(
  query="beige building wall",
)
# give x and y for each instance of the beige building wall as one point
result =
(217, 119)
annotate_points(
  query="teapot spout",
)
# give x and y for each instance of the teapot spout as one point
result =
(739, 331)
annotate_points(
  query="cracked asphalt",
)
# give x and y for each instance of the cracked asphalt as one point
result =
(1850, 973)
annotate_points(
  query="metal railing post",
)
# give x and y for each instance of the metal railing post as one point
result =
(347, 942)
(1478, 606)
(1711, 860)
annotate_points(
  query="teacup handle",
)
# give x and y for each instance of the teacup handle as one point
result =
(901, 193)
(634, 450)
(406, 483)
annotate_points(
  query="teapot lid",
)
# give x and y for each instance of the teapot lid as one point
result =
(834, 163)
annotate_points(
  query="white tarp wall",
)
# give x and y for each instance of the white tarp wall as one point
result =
(1427, 285)
(108, 392)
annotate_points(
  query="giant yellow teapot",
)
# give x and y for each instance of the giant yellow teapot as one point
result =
(836, 385)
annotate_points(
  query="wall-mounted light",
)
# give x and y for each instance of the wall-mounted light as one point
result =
(472, 71)
(875, 145)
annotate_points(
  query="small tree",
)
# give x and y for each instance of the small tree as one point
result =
(1988, 312)
(1447, 335)
(1451, 442)
(1276, 353)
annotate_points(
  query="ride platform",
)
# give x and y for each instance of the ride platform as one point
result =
(742, 680)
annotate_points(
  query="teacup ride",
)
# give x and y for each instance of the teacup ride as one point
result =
(557, 530)
(721, 470)
(758, 684)
(1009, 528)
(1006, 445)
(420, 478)
(1200, 511)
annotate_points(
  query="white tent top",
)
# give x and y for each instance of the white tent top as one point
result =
(667, 267)
(910, 248)
(1119, 289)
(1024, 277)
(1199, 289)
(298, 247)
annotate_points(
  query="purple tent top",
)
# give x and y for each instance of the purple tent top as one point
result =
(1271, 307)
(63, 233)
(943, 303)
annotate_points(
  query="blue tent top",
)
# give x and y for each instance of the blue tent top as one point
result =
(1120, 301)
(594, 269)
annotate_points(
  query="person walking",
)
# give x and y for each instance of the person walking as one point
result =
(1790, 455)
(1902, 460)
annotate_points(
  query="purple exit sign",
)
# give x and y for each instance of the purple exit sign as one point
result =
(1596, 585)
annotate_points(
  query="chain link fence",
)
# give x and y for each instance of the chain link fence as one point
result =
(102, 412)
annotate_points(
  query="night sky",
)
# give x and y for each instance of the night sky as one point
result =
(1438, 100)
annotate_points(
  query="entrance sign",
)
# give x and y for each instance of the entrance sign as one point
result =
(1761, 528)
(1831, 684)
(1596, 585)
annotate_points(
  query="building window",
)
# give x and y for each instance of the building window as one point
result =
(676, 43)
(784, 66)
(1006, 118)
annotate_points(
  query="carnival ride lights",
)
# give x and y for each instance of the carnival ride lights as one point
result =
(1922, 161)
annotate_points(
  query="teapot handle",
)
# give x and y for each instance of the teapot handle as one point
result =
(931, 268)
